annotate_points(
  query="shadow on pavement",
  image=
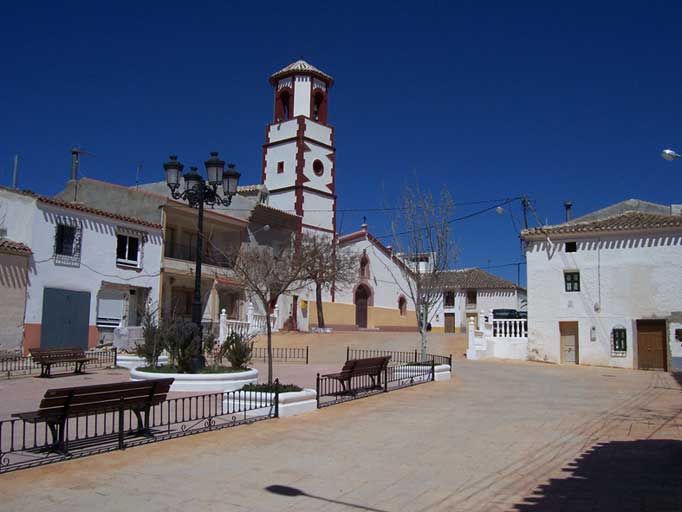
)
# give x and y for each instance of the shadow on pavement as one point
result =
(292, 492)
(642, 475)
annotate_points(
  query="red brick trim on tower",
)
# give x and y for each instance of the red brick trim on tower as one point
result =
(301, 148)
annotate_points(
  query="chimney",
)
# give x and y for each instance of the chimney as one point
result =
(567, 206)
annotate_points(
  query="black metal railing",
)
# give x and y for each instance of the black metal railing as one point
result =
(25, 365)
(331, 390)
(283, 354)
(187, 252)
(24, 445)
(398, 357)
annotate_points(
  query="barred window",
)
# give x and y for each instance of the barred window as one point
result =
(572, 281)
(67, 243)
(619, 339)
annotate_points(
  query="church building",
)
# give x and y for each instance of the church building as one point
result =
(299, 172)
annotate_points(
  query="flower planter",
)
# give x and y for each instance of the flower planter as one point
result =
(131, 361)
(290, 404)
(208, 382)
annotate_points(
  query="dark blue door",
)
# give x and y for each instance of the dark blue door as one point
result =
(66, 316)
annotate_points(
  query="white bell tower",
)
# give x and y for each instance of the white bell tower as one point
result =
(298, 154)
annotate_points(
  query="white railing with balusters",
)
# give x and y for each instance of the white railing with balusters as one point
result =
(254, 324)
(510, 328)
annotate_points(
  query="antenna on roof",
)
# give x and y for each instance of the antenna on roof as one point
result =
(15, 171)
(140, 164)
(76, 153)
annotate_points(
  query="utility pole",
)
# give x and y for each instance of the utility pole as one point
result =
(524, 203)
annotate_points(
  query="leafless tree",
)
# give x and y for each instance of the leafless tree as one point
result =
(327, 266)
(421, 236)
(267, 272)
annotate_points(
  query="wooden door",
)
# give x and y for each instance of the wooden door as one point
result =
(449, 322)
(651, 345)
(361, 298)
(569, 342)
(66, 317)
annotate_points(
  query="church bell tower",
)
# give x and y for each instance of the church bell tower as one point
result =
(298, 154)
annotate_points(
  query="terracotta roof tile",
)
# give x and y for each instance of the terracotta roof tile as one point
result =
(301, 66)
(96, 211)
(628, 221)
(475, 278)
(11, 247)
(82, 208)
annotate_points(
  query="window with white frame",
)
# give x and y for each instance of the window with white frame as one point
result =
(128, 250)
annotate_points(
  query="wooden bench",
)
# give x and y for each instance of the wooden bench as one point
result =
(371, 366)
(58, 405)
(48, 357)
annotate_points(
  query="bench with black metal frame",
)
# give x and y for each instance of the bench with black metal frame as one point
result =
(48, 357)
(58, 405)
(372, 367)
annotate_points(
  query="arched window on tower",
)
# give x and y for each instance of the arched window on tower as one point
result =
(283, 107)
(318, 99)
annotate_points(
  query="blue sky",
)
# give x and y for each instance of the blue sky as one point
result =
(571, 101)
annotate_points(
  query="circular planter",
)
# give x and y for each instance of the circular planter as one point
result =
(209, 382)
(132, 361)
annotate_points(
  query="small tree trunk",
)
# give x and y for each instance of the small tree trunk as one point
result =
(318, 300)
(422, 331)
(269, 329)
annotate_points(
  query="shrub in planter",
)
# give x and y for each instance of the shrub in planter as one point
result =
(270, 388)
(182, 340)
(237, 349)
(152, 340)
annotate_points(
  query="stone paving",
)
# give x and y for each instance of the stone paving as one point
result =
(499, 436)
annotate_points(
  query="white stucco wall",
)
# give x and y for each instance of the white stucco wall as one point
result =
(281, 131)
(622, 278)
(386, 279)
(285, 152)
(302, 90)
(486, 299)
(318, 210)
(318, 132)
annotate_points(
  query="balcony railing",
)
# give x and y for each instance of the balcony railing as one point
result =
(188, 253)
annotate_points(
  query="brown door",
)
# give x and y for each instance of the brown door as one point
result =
(449, 322)
(569, 342)
(361, 297)
(651, 345)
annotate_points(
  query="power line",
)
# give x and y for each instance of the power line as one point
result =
(456, 219)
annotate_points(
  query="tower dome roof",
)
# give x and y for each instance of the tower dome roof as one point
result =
(302, 67)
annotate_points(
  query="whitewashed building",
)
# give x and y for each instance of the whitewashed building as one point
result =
(89, 270)
(604, 289)
(471, 293)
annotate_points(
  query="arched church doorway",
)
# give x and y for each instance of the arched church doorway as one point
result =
(361, 302)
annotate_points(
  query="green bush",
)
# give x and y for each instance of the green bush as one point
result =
(270, 388)
(182, 340)
(237, 349)
(152, 340)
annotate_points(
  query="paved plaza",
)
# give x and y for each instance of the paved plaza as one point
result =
(498, 436)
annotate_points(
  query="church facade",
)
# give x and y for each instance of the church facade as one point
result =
(299, 172)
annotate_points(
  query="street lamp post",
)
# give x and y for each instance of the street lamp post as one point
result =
(199, 192)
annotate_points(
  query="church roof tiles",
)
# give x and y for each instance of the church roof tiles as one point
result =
(301, 66)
